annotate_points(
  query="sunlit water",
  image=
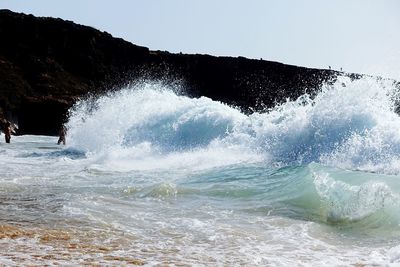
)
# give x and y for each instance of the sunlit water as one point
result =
(152, 177)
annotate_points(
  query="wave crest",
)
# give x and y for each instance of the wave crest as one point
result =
(350, 124)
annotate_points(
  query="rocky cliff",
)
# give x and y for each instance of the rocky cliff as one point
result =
(46, 64)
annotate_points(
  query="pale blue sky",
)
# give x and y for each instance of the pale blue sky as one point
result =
(357, 35)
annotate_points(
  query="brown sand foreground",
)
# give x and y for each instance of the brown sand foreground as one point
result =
(34, 247)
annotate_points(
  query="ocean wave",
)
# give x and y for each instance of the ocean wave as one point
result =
(350, 124)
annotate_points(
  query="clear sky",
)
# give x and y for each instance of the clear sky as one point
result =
(356, 35)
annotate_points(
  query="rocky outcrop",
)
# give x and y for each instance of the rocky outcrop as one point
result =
(46, 64)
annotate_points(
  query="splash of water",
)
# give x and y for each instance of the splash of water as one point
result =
(149, 126)
(350, 124)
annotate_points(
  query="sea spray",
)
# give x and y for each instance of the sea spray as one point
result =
(349, 124)
(306, 130)
(151, 126)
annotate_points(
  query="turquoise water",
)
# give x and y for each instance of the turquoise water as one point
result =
(151, 177)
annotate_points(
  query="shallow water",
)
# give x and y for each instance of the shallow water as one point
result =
(151, 177)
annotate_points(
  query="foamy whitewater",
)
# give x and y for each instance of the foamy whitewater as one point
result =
(151, 177)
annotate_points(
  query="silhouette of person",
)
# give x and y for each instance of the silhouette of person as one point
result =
(7, 129)
(62, 133)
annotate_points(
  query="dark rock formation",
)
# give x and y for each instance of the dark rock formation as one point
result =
(46, 64)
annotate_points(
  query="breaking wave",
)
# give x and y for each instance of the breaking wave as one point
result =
(350, 124)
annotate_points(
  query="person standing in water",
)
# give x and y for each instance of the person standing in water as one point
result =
(62, 133)
(7, 129)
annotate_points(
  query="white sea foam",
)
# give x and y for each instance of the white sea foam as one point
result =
(151, 128)
(394, 254)
(350, 124)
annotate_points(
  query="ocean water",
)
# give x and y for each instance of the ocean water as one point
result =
(152, 177)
